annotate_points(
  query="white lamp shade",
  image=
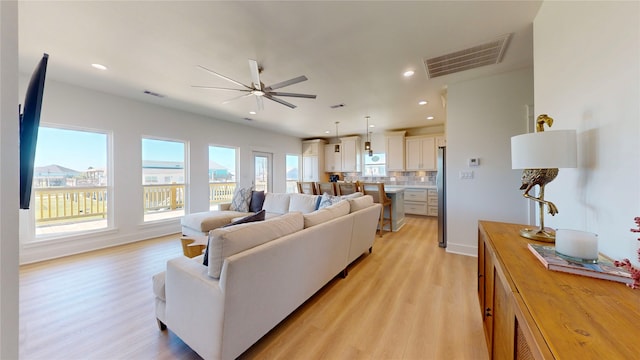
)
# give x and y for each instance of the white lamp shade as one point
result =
(544, 150)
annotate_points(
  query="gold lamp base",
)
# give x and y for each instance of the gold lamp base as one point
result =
(547, 235)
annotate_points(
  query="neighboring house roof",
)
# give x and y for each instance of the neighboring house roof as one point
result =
(54, 170)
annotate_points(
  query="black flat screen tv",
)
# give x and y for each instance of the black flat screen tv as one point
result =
(29, 124)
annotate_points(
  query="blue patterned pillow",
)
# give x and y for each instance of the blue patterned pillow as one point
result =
(241, 199)
(328, 200)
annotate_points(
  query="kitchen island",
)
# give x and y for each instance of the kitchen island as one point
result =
(396, 194)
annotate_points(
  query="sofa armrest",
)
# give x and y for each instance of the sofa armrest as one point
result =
(194, 306)
(224, 206)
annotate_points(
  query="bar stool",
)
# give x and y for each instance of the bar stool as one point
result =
(346, 188)
(308, 187)
(326, 187)
(376, 190)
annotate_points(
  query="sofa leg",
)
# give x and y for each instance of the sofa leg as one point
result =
(161, 325)
(370, 250)
(344, 273)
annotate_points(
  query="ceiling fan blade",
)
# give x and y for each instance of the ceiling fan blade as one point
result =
(287, 83)
(279, 101)
(306, 96)
(255, 74)
(218, 88)
(224, 77)
(236, 98)
(260, 103)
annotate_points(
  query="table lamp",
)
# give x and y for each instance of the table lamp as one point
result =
(540, 154)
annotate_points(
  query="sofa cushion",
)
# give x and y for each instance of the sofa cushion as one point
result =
(303, 203)
(352, 196)
(158, 285)
(320, 216)
(240, 200)
(257, 199)
(259, 216)
(276, 203)
(328, 200)
(209, 220)
(360, 203)
(228, 241)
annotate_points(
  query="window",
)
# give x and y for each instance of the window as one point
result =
(222, 174)
(374, 165)
(163, 177)
(70, 181)
(292, 163)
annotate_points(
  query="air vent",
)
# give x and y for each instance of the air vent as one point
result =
(153, 94)
(471, 58)
(337, 106)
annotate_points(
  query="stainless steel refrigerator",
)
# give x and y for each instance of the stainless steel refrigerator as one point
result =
(441, 184)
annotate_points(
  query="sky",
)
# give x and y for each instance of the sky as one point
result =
(80, 150)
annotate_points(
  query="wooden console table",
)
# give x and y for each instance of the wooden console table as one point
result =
(531, 312)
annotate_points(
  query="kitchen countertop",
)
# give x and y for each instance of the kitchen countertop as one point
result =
(409, 186)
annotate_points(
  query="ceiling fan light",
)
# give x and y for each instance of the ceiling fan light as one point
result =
(257, 92)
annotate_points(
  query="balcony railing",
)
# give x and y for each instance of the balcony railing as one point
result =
(73, 204)
(67, 203)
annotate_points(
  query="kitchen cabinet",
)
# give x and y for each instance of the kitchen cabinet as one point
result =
(420, 153)
(441, 141)
(529, 312)
(351, 154)
(415, 201)
(394, 150)
(313, 160)
(332, 159)
(432, 202)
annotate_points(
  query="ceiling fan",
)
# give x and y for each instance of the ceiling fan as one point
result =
(257, 88)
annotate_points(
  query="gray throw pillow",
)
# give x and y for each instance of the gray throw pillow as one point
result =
(241, 198)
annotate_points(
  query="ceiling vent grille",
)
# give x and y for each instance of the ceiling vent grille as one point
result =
(471, 58)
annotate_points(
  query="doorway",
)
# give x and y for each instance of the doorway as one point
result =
(262, 174)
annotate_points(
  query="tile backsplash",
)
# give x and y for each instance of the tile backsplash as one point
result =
(396, 178)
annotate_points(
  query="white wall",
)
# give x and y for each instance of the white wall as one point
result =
(9, 185)
(128, 121)
(587, 77)
(482, 115)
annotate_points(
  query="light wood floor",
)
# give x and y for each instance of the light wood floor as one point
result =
(409, 299)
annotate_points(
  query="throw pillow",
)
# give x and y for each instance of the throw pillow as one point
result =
(328, 200)
(259, 216)
(257, 199)
(241, 198)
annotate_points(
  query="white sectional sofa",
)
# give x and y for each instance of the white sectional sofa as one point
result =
(260, 272)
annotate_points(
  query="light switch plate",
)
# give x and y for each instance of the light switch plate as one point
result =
(466, 175)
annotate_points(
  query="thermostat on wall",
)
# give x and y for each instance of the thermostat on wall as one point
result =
(474, 162)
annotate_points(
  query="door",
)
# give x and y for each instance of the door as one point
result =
(262, 174)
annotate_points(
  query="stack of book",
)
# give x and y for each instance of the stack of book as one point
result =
(603, 269)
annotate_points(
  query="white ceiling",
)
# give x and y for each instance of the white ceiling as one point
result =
(352, 52)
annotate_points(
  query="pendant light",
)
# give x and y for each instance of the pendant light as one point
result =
(370, 149)
(337, 146)
(367, 144)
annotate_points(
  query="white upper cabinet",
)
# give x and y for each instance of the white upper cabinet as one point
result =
(332, 159)
(420, 153)
(313, 160)
(394, 150)
(351, 154)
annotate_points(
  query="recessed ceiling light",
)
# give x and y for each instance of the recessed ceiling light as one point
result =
(408, 73)
(327, 132)
(99, 66)
(429, 117)
(252, 112)
(372, 126)
(422, 102)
